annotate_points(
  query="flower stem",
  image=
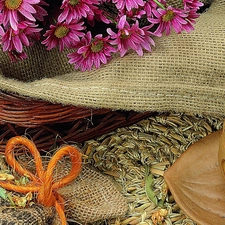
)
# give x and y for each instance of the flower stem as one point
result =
(159, 4)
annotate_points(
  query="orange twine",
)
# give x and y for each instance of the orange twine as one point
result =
(42, 182)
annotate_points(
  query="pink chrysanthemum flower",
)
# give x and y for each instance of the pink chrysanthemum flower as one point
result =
(64, 35)
(14, 40)
(169, 17)
(2, 33)
(191, 19)
(131, 37)
(99, 15)
(76, 9)
(192, 4)
(17, 56)
(1, 18)
(128, 4)
(91, 52)
(133, 14)
(149, 7)
(40, 11)
(13, 9)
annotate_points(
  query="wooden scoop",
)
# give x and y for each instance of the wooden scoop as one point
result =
(197, 182)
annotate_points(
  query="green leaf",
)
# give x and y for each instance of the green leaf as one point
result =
(3, 193)
(9, 196)
(24, 180)
(148, 187)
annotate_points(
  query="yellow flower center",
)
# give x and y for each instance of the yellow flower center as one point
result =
(13, 4)
(73, 2)
(168, 16)
(97, 45)
(61, 32)
(123, 35)
(20, 32)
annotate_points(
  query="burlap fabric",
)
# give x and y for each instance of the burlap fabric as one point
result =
(91, 197)
(184, 73)
(34, 215)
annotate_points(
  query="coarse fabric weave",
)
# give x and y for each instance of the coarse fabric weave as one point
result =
(91, 197)
(184, 73)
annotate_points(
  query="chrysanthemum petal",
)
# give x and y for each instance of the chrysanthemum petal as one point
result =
(28, 8)
(24, 39)
(27, 14)
(18, 44)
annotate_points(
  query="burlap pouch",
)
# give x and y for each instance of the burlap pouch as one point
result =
(184, 73)
(91, 197)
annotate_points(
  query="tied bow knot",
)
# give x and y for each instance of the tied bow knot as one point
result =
(42, 182)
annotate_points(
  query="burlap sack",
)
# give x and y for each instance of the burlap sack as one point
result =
(184, 73)
(91, 197)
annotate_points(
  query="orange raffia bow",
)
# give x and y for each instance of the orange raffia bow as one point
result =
(42, 183)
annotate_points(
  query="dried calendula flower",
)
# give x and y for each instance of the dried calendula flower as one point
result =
(22, 201)
(6, 176)
(19, 201)
(23, 180)
(159, 216)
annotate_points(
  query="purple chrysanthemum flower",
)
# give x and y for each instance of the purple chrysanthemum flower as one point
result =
(2, 33)
(133, 14)
(131, 37)
(91, 52)
(1, 18)
(191, 19)
(40, 11)
(14, 40)
(12, 10)
(76, 9)
(63, 35)
(169, 17)
(128, 4)
(126, 20)
(192, 4)
(17, 56)
(99, 15)
(149, 7)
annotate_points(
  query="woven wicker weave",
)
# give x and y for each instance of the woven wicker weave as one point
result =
(50, 124)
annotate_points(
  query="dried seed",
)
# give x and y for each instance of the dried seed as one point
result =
(129, 220)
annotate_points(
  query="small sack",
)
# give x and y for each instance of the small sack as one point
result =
(92, 196)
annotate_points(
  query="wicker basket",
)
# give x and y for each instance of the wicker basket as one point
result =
(49, 124)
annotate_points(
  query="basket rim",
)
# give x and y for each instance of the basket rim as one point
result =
(29, 112)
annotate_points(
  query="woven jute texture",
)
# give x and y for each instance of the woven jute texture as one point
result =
(184, 73)
(35, 215)
(91, 197)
